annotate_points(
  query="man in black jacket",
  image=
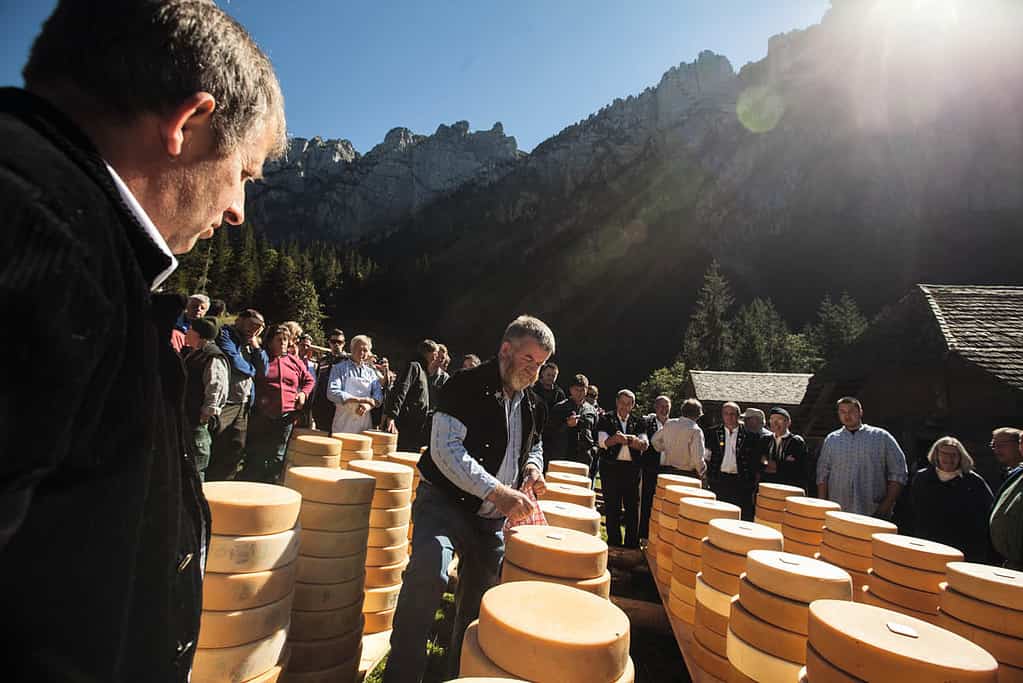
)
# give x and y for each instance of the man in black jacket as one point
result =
(140, 123)
(206, 391)
(569, 431)
(407, 406)
(485, 449)
(728, 471)
(786, 461)
(622, 438)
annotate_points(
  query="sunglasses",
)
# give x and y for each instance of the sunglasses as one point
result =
(337, 341)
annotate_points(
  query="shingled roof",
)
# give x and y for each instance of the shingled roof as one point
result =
(982, 326)
(775, 388)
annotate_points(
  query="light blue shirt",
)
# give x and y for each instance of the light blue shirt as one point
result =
(347, 368)
(857, 467)
(456, 463)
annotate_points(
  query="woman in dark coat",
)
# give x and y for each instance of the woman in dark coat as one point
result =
(951, 502)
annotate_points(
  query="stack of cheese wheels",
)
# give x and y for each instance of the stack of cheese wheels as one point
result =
(569, 478)
(383, 443)
(694, 516)
(658, 539)
(848, 544)
(722, 561)
(354, 447)
(855, 642)
(409, 460)
(803, 524)
(984, 604)
(767, 624)
(314, 450)
(571, 493)
(571, 516)
(906, 574)
(565, 556)
(667, 526)
(387, 555)
(770, 507)
(548, 633)
(326, 626)
(249, 583)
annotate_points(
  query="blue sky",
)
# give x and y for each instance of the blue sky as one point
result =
(357, 69)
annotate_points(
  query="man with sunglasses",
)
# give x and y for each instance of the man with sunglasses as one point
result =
(322, 409)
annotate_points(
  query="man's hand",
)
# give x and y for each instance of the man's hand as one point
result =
(389, 426)
(254, 341)
(616, 440)
(884, 510)
(360, 409)
(299, 400)
(572, 420)
(511, 503)
(534, 478)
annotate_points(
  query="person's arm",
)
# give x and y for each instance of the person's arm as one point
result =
(638, 442)
(235, 357)
(602, 438)
(697, 451)
(658, 439)
(399, 391)
(215, 378)
(376, 392)
(896, 474)
(823, 471)
(336, 386)
(584, 435)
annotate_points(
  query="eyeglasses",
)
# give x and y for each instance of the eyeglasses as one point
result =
(337, 341)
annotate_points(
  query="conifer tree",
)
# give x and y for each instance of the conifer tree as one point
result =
(707, 340)
(837, 326)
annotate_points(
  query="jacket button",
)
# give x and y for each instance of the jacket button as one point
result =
(185, 561)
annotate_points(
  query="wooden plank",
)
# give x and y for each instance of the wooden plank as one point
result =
(375, 647)
(682, 630)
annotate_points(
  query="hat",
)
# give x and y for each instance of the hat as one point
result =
(780, 411)
(205, 327)
(753, 412)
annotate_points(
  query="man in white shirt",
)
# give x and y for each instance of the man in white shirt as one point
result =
(680, 442)
(622, 439)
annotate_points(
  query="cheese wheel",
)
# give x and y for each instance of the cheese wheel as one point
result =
(765, 636)
(663, 574)
(758, 664)
(473, 662)
(663, 555)
(801, 535)
(240, 554)
(353, 442)
(911, 577)
(996, 585)
(876, 644)
(388, 537)
(985, 615)
(693, 546)
(868, 597)
(683, 582)
(805, 506)
(797, 548)
(388, 475)
(764, 516)
(378, 622)
(798, 578)
(241, 662)
(862, 527)
(658, 504)
(666, 521)
(385, 518)
(665, 535)
(381, 598)
(570, 493)
(713, 599)
(915, 552)
(736, 676)
(317, 655)
(243, 508)
(714, 664)
(346, 671)
(229, 628)
(775, 504)
(569, 467)
(721, 581)
(325, 485)
(681, 609)
(1009, 674)
(779, 491)
(348, 456)
(388, 575)
(666, 480)
(391, 498)
(330, 623)
(317, 543)
(920, 601)
(792, 520)
(567, 478)
(859, 579)
(330, 569)
(383, 556)
(318, 597)
(790, 615)
(314, 444)
(304, 460)
(406, 458)
(271, 675)
(739, 536)
(704, 510)
(245, 591)
(381, 437)
(572, 516)
(673, 493)
(847, 561)
(330, 517)
(847, 544)
(707, 617)
(680, 558)
(692, 528)
(572, 636)
(819, 669)
(715, 642)
(600, 585)
(1002, 647)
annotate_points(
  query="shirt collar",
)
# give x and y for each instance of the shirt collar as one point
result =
(148, 226)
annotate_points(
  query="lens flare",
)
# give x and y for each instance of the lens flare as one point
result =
(760, 108)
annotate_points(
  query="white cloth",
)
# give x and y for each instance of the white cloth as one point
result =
(680, 442)
(729, 464)
(346, 416)
(147, 225)
(624, 454)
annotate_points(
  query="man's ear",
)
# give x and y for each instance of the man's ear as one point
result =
(193, 112)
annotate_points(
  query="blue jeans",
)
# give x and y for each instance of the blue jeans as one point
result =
(441, 529)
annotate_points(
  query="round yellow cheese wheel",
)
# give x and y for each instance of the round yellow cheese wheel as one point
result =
(665, 480)
(325, 485)
(320, 654)
(985, 615)
(876, 644)
(570, 493)
(673, 493)
(681, 558)
(774, 504)
(573, 636)
(330, 517)
(385, 576)
(244, 591)
(346, 671)
(790, 615)
(758, 664)
(569, 478)
(315, 625)
(665, 521)
(243, 508)
(1002, 647)
(305, 460)
(385, 518)
(714, 664)
(715, 642)
(996, 585)
(791, 519)
(473, 662)
(314, 444)
(868, 597)
(241, 662)
(819, 669)
(391, 498)
(683, 583)
(554, 551)
(317, 543)
(381, 437)
(847, 561)
(569, 467)
(378, 622)
(388, 475)
(658, 503)
(681, 609)
(801, 535)
(704, 510)
(911, 577)
(380, 598)
(387, 537)
(862, 527)
(353, 442)
(847, 544)
(765, 516)
(319, 597)
(766, 636)
(713, 599)
(805, 506)
(383, 556)
(229, 628)
(718, 580)
(1009, 674)
(797, 548)
(779, 491)
(598, 586)
(709, 618)
(915, 552)
(691, 528)
(739, 536)
(272, 675)
(330, 569)
(240, 554)
(798, 578)
(688, 544)
(920, 601)
(572, 516)
(663, 574)
(348, 456)
(665, 534)
(736, 676)
(406, 458)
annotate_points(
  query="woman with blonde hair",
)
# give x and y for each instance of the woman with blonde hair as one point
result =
(951, 502)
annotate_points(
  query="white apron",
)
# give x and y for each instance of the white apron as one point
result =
(346, 419)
